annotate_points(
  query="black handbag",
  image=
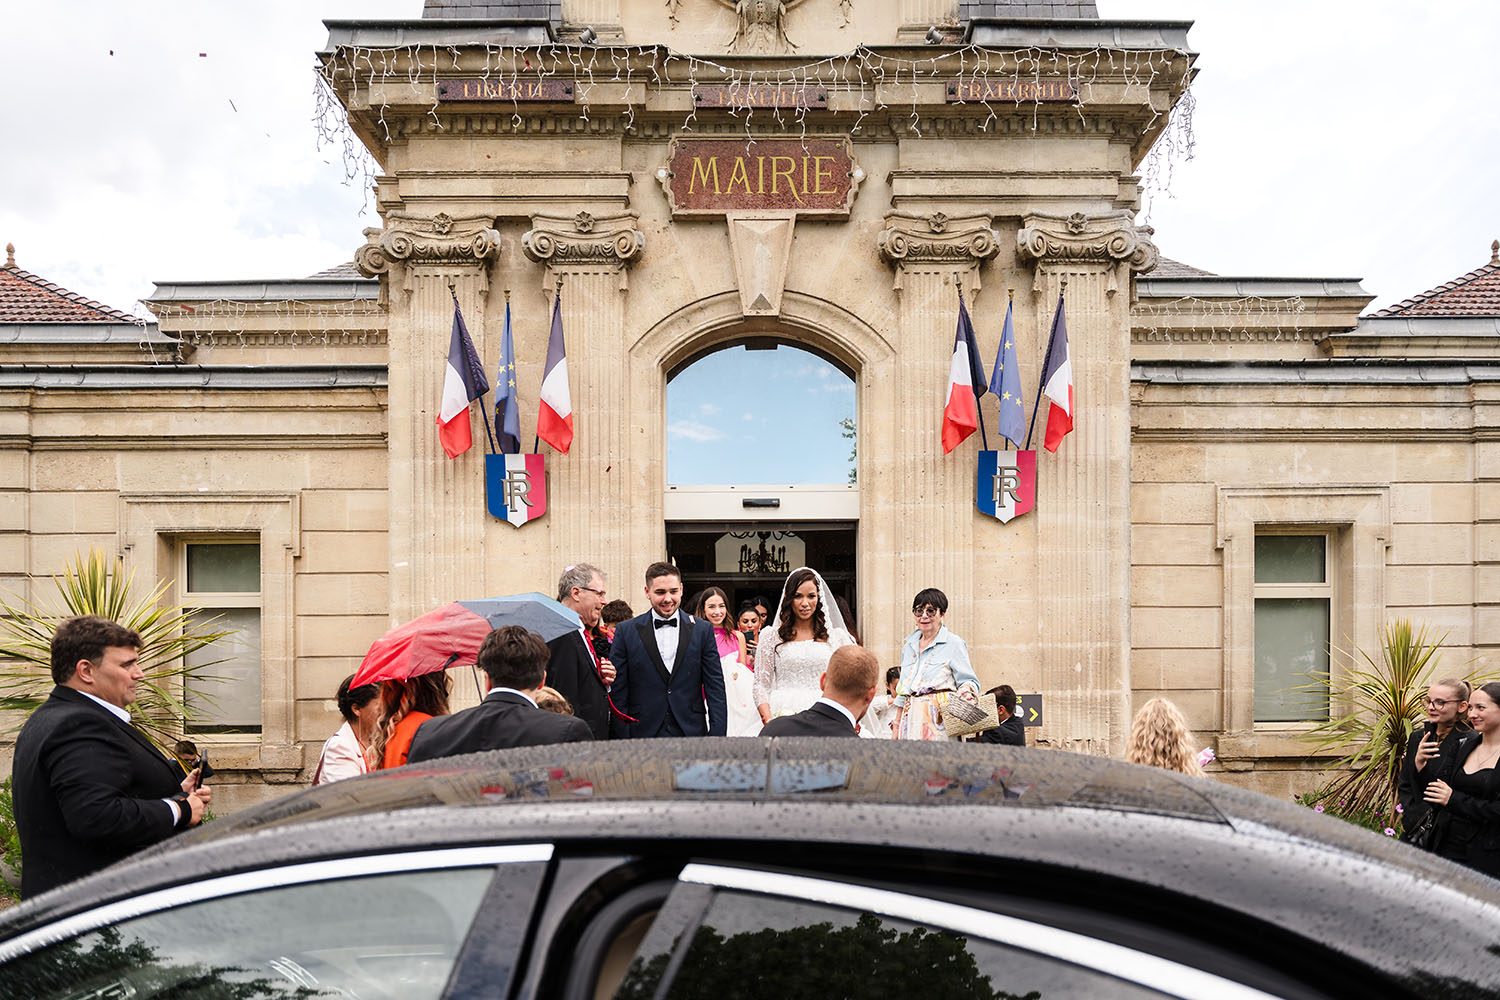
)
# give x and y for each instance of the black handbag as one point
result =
(1421, 835)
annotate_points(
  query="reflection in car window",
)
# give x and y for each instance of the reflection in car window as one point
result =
(749, 945)
(378, 938)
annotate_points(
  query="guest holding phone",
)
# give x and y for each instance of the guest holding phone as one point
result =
(1431, 747)
(1468, 827)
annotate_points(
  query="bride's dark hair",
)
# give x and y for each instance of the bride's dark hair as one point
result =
(789, 617)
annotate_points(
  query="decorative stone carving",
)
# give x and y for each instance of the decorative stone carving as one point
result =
(1109, 239)
(441, 239)
(762, 26)
(937, 239)
(583, 239)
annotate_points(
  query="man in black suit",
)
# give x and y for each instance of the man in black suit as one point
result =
(575, 669)
(89, 788)
(515, 660)
(1010, 732)
(668, 679)
(849, 685)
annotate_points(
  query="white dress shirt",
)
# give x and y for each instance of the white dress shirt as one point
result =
(842, 710)
(666, 637)
(505, 690)
(124, 716)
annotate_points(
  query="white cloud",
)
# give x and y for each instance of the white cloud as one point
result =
(708, 410)
(691, 430)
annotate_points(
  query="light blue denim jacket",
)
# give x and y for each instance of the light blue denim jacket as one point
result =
(944, 664)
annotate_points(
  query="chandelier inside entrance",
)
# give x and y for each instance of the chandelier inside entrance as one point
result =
(767, 557)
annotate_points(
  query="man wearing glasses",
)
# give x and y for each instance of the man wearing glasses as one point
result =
(574, 670)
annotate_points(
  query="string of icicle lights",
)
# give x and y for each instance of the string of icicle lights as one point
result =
(1252, 316)
(864, 75)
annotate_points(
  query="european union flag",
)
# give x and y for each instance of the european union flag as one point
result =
(507, 413)
(1005, 383)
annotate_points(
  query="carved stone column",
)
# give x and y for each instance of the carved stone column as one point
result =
(589, 490)
(933, 255)
(437, 515)
(1083, 492)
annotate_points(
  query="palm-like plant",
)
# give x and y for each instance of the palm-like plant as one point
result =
(93, 584)
(1385, 703)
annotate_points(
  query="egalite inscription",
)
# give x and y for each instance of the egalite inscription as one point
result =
(1017, 91)
(760, 95)
(513, 90)
(716, 176)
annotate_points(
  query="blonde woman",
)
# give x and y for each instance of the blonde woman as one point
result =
(1159, 737)
(404, 706)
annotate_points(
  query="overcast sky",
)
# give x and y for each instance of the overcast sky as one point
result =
(150, 141)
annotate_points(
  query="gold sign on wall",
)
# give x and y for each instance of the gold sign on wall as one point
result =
(717, 176)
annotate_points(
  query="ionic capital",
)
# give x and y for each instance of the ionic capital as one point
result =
(937, 239)
(440, 239)
(1111, 238)
(584, 239)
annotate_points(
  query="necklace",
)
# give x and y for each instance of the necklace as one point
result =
(1489, 760)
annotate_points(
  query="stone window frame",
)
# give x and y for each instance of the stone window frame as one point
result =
(153, 527)
(210, 603)
(1357, 520)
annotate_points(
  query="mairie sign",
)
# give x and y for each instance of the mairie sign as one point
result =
(1006, 484)
(808, 176)
(515, 487)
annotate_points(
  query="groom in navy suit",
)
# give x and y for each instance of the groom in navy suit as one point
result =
(667, 674)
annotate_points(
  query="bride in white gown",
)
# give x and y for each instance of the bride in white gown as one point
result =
(794, 648)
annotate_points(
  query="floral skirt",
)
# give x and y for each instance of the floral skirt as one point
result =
(923, 717)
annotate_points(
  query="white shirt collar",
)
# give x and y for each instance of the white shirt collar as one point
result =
(844, 711)
(659, 618)
(122, 714)
(504, 690)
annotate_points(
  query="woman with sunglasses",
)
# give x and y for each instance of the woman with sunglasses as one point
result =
(1431, 747)
(1468, 825)
(934, 667)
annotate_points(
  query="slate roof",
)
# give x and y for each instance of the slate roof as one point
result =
(28, 298)
(969, 9)
(1474, 294)
(494, 9)
(1166, 267)
(551, 10)
(346, 271)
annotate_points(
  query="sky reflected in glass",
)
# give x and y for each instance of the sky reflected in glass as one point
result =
(739, 416)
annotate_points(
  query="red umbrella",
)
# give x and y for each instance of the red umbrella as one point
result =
(452, 634)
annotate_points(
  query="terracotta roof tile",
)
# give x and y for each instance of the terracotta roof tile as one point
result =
(27, 298)
(1475, 294)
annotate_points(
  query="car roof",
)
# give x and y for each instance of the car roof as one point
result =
(1273, 861)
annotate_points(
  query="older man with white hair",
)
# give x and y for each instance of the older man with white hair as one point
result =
(575, 671)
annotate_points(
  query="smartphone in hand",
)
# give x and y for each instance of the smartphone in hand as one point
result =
(205, 770)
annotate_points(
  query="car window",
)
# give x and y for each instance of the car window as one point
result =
(752, 945)
(380, 937)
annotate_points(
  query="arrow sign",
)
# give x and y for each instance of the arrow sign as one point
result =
(1029, 709)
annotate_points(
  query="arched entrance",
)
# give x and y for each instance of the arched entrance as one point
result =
(762, 471)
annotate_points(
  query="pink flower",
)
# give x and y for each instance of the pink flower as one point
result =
(1206, 756)
(1390, 832)
(1399, 810)
(1318, 808)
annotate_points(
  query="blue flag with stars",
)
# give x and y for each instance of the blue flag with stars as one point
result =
(507, 413)
(1005, 383)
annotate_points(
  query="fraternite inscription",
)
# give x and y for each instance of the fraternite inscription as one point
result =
(714, 176)
(498, 88)
(1019, 91)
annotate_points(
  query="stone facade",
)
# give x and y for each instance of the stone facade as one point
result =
(302, 412)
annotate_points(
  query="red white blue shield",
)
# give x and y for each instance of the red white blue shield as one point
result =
(515, 487)
(1006, 486)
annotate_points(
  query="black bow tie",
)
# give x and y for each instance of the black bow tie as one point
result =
(666, 623)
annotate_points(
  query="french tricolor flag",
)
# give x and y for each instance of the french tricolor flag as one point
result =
(463, 382)
(961, 415)
(554, 420)
(1057, 382)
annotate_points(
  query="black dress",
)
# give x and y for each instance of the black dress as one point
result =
(1468, 827)
(1410, 782)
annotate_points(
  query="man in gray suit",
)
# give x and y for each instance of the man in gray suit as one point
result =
(515, 660)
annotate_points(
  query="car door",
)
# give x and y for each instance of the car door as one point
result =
(378, 927)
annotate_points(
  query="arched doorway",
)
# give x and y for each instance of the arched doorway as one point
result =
(762, 467)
